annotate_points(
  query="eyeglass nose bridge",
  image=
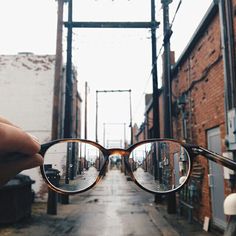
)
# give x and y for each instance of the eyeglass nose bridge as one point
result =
(121, 152)
(117, 151)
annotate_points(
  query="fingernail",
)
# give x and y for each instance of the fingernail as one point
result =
(34, 138)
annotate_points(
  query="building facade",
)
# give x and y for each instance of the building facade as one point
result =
(203, 109)
(26, 86)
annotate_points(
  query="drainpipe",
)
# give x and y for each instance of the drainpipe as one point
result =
(228, 49)
(167, 96)
(190, 138)
(68, 120)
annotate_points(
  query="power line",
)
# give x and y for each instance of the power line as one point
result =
(165, 37)
(168, 34)
(176, 11)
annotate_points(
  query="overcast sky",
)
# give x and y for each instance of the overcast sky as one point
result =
(107, 59)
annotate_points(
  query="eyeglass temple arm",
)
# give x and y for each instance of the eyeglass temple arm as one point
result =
(221, 160)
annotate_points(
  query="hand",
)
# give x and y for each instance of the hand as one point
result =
(18, 151)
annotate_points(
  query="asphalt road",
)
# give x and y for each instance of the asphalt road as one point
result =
(115, 207)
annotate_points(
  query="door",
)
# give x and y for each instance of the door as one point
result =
(176, 168)
(216, 180)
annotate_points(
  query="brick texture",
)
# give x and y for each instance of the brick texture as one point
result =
(199, 82)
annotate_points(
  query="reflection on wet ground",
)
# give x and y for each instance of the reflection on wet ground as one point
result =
(82, 181)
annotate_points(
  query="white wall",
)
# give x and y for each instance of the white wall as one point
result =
(26, 88)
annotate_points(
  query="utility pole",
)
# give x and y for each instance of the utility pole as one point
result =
(52, 195)
(171, 198)
(155, 93)
(68, 123)
(167, 70)
(58, 72)
(68, 120)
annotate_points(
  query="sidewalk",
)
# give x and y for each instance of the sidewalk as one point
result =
(179, 223)
(182, 226)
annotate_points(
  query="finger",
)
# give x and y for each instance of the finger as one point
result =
(5, 121)
(13, 139)
(10, 169)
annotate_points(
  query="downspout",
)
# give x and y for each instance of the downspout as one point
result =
(190, 139)
(228, 50)
(231, 49)
(224, 52)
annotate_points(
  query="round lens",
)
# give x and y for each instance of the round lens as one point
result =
(160, 166)
(72, 166)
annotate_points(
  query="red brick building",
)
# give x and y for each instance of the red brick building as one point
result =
(203, 85)
(198, 102)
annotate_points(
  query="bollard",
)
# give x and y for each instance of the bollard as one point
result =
(53, 176)
(230, 210)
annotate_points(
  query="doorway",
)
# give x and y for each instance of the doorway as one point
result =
(216, 180)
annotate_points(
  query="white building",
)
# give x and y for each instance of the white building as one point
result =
(26, 88)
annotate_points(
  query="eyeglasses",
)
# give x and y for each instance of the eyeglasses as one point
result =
(158, 166)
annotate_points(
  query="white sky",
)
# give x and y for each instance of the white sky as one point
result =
(106, 58)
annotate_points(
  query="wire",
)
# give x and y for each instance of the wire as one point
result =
(172, 22)
(158, 55)
(176, 11)
(169, 32)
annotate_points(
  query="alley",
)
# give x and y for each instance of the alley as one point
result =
(114, 207)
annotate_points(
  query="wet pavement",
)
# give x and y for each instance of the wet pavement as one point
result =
(115, 207)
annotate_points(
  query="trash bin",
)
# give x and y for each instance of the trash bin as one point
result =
(16, 199)
(53, 176)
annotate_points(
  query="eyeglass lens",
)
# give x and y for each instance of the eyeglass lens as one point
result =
(160, 166)
(72, 166)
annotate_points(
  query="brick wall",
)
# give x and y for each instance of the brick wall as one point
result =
(198, 98)
(198, 102)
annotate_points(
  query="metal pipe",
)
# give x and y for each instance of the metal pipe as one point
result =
(225, 57)
(68, 120)
(155, 93)
(171, 207)
(69, 83)
(166, 80)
